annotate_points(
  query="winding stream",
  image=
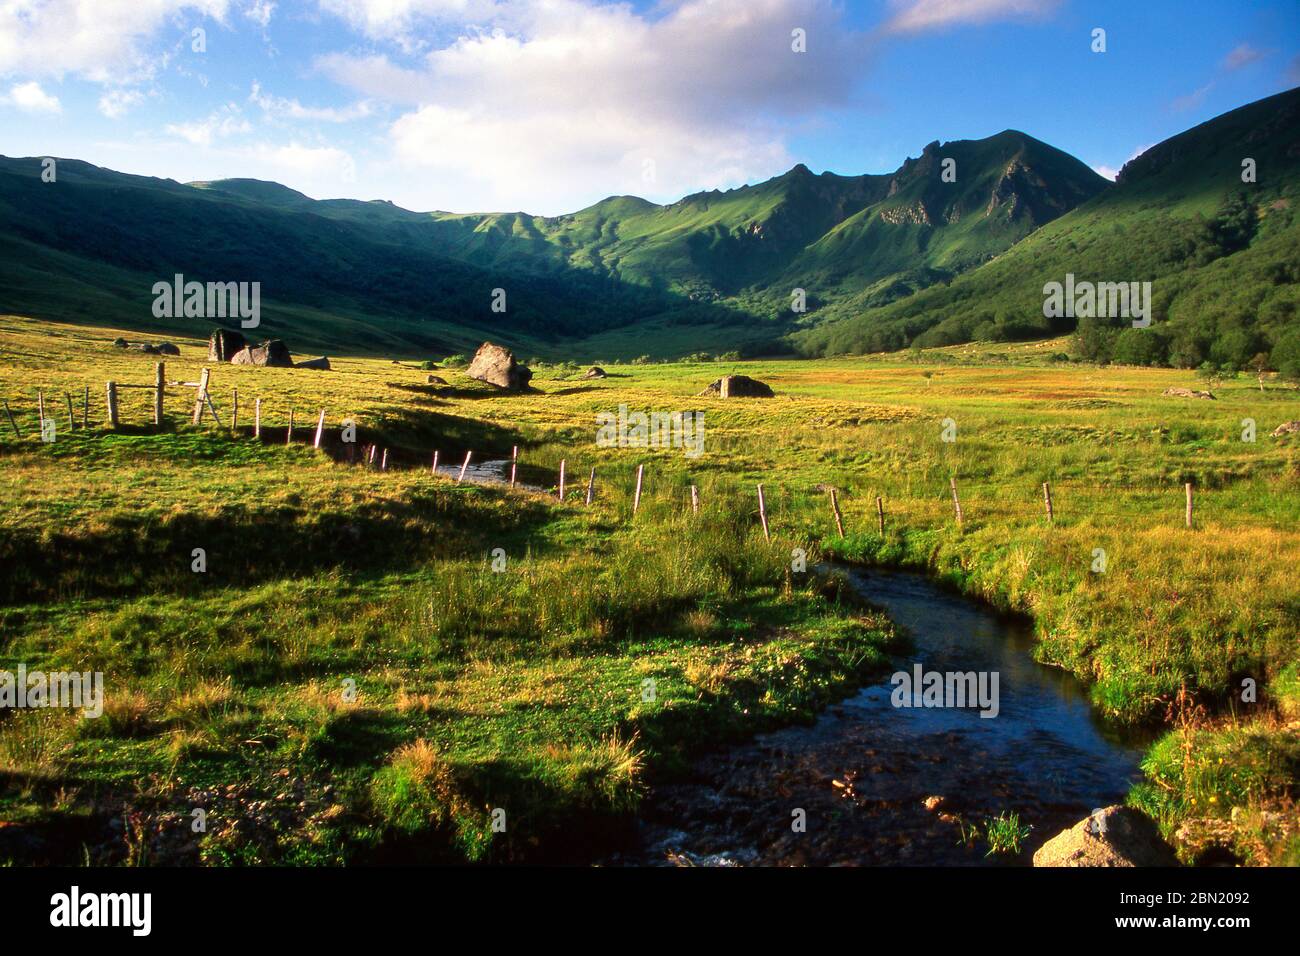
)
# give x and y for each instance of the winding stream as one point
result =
(866, 771)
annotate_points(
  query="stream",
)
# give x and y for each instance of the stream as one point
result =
(867, 773)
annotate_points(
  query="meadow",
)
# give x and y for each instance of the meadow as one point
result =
(356, 676)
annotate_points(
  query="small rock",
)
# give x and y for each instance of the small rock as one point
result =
(1189, 393)
(1286, 428)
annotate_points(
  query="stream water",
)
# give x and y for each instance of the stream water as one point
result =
(867, 772)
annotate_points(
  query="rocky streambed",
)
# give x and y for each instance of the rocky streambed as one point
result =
(881, 784)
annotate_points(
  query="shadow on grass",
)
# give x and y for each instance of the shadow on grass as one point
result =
(130, 553)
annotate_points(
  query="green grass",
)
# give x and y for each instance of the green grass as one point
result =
(522, 690)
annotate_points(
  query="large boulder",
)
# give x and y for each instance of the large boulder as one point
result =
(1115, 836)
(167, 348)
(1178, 392)
(739, 386)
(497, 366)
(224, 345)
(321, 363)
(272, 354)
(595, 372)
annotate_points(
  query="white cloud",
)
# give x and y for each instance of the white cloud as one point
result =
(101, 40)
(1192, 99)
(1243, 54)
(282, 108)
(570, 100)
(260, 12)
(1107, 172)
(306, 164)
(115, 103)
(916, 15)
(30, 98)
(225, 122)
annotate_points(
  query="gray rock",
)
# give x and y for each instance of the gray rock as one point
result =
(321, 363)
(166, 348)
(1189, 393)
(224, 345)
(497, 366)
(595, 372)
(1115, 836)
(1286, 428)
(739, 386)
(270, 354)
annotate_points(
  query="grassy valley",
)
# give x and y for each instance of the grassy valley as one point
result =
(355, 677)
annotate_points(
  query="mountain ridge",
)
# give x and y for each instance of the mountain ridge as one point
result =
(874, 254)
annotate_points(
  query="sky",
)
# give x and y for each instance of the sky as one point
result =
(548, 106)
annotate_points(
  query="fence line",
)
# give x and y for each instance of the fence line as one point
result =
(203, 402)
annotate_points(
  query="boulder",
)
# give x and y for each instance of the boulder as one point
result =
(166, 348)
(224, 345)
(497, 366)
(595, 372)
(272, 354)
(436, 380)
(739, 386)
(121, 342)
(321, 363)
(1286, 428)
(1188, 393)
(145, 347)
(1115, 836)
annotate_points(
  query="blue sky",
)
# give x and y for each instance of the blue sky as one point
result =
(550, 105)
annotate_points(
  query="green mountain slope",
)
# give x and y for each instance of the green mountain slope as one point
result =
(336, 276)
(1220, 253)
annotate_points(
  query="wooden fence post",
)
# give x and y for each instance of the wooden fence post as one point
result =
(72, 422)
(199, 398)
(514, 463)
(835, 510)
(880, 514)
(112, 404)
(85, 408)
(464, 465)
(956, 502)
(40, 411)
(591, 485)
(288, 436)
(257, 418)
(1188, 488)
(159, 372)
(12, 424)
(234, 412)
(562, 463)
(433, 469)
(320, 429)
(695, 500)
(762, 512)
(383, 462)
(1047, 501)
(636, 497)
